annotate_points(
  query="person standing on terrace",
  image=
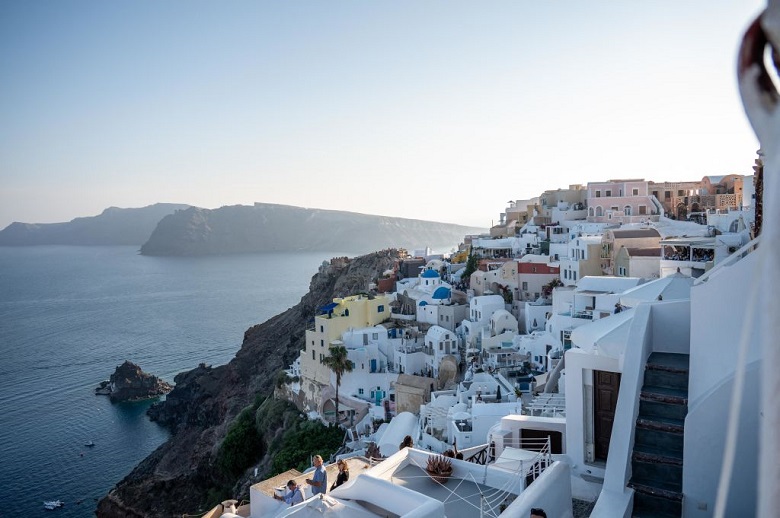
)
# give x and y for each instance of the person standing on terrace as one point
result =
(319, 483)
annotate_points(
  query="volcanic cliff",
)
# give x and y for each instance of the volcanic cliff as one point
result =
(267, 227)
(177, 477)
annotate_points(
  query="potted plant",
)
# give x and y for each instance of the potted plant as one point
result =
(439, 468)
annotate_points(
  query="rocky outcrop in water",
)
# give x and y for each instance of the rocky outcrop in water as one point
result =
(177, 477)
(130, 383)
(266, 227)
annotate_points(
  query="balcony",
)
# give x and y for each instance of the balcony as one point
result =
(586, 314)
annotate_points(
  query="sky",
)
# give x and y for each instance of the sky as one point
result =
(437, 110)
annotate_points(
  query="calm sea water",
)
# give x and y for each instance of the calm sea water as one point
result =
(70, 315)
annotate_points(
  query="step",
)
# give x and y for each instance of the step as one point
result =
(664, 395)
(649, 505)
(669, 361)
(665, 378)
(661, 423)
(644, 489)
(650, 452)
(649, 408)
(660, 439)
(657, 475)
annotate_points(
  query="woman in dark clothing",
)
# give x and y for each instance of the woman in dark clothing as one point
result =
(343, 475)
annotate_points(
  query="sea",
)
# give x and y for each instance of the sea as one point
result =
(70, 315)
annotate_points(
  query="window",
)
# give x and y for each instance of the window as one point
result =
(360, 391)
(380, 309)
(680, 193)
(375, 336)
(322, 329)
(599, 212)
(627, 210)
(566, 340)
(313, 355)
(448, 318)
(575, 275)
(634, 192)
(667, 195)
(525, 286)
(322, 343)
(642, 210)
(598, 194)
(608, 193)
(655, 193)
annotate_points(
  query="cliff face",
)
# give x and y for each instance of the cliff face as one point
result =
(113, 226)
(267, 228)
(176, 477)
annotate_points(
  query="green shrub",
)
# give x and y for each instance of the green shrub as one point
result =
(304, 440)
(242, 446)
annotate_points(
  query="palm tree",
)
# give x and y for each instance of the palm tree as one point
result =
(338, 362)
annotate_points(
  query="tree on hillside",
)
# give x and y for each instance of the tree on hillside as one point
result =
(338, 362)
(471, 267)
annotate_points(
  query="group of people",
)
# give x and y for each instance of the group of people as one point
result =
(318, 482)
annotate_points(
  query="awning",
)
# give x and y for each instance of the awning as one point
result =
(327, 308)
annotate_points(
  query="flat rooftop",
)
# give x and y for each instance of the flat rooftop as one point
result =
(461, 497)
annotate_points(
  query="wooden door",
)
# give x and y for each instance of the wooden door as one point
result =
(605, 395)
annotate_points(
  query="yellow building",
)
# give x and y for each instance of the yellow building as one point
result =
(353, 312)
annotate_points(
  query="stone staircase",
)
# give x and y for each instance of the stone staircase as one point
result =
(657, 460)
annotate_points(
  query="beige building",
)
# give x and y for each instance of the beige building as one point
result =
(638, 262)
(584, 258)
(613, 240)
(411, 392)
(517, 214)
(719, 193)
(678, 198)
(357, 311)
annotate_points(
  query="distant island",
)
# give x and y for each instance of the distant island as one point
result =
(266, 227)
(169, 229)
(114, 226)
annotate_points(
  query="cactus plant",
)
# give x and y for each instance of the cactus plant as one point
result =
(439, 468)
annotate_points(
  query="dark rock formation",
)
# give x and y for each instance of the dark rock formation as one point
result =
(113, 226)
(177, 477)
(130, 383)
(267, 227)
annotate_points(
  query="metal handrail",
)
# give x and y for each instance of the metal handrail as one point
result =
(732, 259)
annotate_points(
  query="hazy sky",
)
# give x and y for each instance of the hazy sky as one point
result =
(440, 110)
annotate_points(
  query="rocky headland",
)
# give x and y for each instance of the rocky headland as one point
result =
(178, 476)
(266, 227)
(114, 226)
(130, 383)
